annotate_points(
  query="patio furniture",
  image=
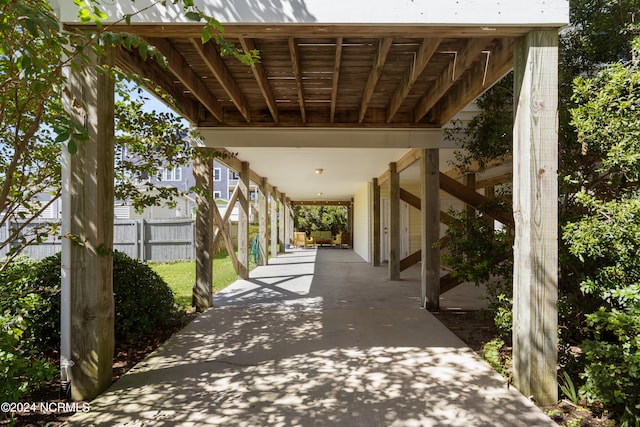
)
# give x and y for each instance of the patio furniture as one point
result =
(299, 239)
(322, 237)
(342, 239)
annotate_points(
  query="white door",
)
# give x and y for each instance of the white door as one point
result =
(384, 229)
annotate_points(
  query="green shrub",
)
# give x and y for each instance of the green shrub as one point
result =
(477, 253)
(22, 367)
(609, 237)
(21, 370)
(143, 301)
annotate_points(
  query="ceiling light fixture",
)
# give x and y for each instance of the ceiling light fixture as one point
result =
(319, 171)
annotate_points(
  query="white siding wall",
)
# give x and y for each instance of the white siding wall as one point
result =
(361, 223)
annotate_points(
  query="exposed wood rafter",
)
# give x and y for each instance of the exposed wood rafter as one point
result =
(214, 62)
(181, 69)
(150, 69)
(381, 57)
(295, 62)
(427, 48)
(450, 75)
(478, 80)
(335, 79)
(260, 75)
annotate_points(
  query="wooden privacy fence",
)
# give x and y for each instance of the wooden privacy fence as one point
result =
(147, 240)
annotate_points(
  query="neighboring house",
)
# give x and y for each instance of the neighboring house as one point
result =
(225, 181)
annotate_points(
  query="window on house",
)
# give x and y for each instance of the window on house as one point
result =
(217, 174)
(174, 174)
(217, 194)
(234, 175)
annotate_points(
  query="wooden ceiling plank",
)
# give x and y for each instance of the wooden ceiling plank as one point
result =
(183, 72)
(427, 48)
(384, 46)
(151, 71)
(260, 75)
(295, 61)
(463, 60)
(214, 62)
(475, 83)
(335, 79)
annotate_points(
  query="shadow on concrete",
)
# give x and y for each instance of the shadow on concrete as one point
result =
(341, 346)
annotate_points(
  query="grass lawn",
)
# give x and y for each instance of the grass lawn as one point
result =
(181, 276)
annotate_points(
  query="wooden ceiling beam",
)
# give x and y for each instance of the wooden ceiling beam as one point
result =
(181, 69)
(426, 50)
(295, 61)
(260, 75)
(158, 78)
(481, 78)
(462, 61)
(409, 158)
(384, 46)
(214, 62)
(335, 79)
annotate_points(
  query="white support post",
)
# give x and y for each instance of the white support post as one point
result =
(535, 210)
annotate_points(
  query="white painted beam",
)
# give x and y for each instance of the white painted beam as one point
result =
(323, 138)
(468, 12)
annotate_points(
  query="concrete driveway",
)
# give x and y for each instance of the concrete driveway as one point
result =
(317, 338)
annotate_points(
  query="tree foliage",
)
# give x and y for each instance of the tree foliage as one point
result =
(606, 238)
(312, 218)
(35, 51)
(599, 182)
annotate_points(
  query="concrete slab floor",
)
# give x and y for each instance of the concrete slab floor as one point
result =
(317, 338)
